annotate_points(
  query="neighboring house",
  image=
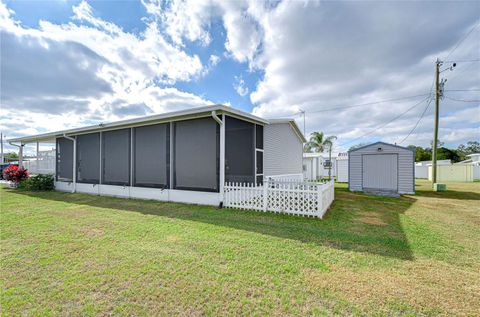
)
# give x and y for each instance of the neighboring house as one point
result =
(472, 159)
(315, 165)
(342, 168)
(439, 162)
(382, 168)
(184, 156)
(421, 168)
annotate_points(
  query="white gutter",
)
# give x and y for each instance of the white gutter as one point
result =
(74, 175)
(214, 116)
(222, 154)
(20, 153)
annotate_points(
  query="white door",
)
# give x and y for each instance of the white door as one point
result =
(380, 171)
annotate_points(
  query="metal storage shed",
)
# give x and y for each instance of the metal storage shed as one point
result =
(383, 168)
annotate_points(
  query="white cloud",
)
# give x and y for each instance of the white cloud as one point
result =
(239, 86)
(67, 75)
(191, 20)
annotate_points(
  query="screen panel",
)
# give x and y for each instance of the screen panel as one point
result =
(196, 154)
(116, 157)
(259, 162)
(259, 136)
(64, 166)
(152, 156)
(88, 158)
(239, 150)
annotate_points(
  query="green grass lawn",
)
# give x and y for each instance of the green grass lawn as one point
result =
(74, 254)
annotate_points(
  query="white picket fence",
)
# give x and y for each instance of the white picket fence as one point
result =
(297, 198)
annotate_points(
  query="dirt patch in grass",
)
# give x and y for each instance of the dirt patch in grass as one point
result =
(372, 221)
(429, 287)
(93, 232)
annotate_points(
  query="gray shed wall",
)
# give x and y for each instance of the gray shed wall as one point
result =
(283, 150)
(406, 166)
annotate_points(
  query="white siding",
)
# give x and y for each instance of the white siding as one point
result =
(342, 171)
(405, 165)
(283, 150)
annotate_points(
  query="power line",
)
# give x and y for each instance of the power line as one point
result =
(462, 39)
(387, 123)
(462, 100)
(463, 61)
(462, 90)
(418, 121)
(368, 103)
(356, 105)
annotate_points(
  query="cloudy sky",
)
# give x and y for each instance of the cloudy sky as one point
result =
(67, 64)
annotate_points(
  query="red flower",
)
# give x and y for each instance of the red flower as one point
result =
(14, 174)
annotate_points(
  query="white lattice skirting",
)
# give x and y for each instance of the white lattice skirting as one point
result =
(306, 199)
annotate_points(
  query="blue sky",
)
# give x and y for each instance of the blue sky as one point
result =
(72, 63)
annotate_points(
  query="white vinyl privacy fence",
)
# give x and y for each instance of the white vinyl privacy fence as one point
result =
(297, 198)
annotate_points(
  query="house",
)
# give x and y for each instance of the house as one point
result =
(316, 165)
(342, 168)
(382, 168)
(473, 159)
(183, 156)
(421, 167)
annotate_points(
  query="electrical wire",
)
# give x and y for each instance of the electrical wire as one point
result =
(388, 122)
(463, 61)
(462, 100)
(418, 121)
(368, 103)
(461, 40)
(462, 90)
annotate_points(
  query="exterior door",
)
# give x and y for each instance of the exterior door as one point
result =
(380, 172)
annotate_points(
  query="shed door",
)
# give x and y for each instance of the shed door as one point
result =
(380, 172)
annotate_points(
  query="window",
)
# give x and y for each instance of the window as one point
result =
(64, 170)
(152, 156)
(239, 151)
(259, 136)
(259, 162)
(116, 157)
(88, 158)
(196, 154)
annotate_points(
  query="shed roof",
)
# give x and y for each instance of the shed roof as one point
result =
(158, 118)
(384, 143)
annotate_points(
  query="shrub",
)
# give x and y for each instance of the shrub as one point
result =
(14, 174)
(38, 182)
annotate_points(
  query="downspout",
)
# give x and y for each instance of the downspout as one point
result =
(20, 153)
(74, 175)
(222, 154)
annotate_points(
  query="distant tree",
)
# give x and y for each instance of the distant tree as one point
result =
(470, 148)
(319, 142)
(447, 154)
(439, 143)
(421, 154)
(353, 147)
(11, 156)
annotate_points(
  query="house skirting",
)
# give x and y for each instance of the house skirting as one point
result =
(171, 195)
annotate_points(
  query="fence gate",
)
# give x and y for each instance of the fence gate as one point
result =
(297, 198)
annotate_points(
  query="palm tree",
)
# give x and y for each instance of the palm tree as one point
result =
(318, 143)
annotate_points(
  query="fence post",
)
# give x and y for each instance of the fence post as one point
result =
(265, 194)
(320, 201)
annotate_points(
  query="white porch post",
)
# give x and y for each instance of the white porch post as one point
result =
(20, 156)
(222, 159)
(38, 161)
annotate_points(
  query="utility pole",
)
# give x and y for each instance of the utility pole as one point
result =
(438, 63)
(303, 113)
(1, 154)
